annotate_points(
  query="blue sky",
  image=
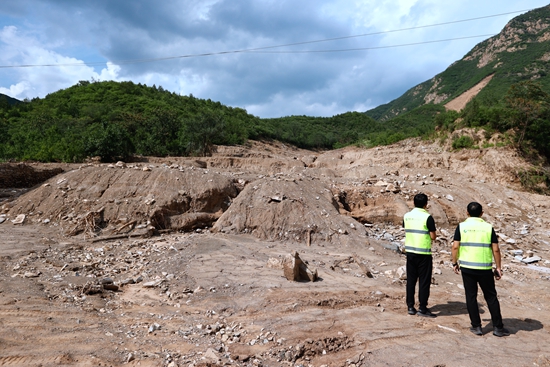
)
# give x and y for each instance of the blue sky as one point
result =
(158, 42)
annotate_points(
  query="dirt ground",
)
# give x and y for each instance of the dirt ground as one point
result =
(176, 262)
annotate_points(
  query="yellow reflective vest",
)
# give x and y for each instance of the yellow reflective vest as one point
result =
(475, 250)
(417, 236)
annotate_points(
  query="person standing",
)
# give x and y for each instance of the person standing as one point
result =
(474, 247)
(419, 234)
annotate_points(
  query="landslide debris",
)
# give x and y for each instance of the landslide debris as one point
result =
(98, 198)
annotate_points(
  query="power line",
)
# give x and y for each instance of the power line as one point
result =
(373, 48)
(262, 49)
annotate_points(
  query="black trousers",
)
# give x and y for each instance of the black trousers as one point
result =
(419, 269)
(486, 281)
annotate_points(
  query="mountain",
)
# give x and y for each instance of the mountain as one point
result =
(521, 51)
(7, 99)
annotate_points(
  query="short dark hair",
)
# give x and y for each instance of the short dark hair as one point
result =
(420, 200)
(475, 209)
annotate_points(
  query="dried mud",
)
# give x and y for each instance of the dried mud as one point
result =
(176, 269)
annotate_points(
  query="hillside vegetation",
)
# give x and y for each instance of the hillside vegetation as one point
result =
(115, 120)
(520, 52)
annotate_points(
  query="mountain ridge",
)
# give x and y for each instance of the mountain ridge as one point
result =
(521, 51)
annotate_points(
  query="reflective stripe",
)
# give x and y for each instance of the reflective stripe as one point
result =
(419, 231)
(418, 250)
(470, 263)
(475, 244)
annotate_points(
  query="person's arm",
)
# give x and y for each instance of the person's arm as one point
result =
(498, 262)
(455, 248)
(496, 254)
(454, 256)
(430, 223)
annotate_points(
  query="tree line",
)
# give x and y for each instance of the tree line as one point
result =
(116, 120)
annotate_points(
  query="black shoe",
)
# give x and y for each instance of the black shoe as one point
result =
(412, 311)
(500, 331)
(476, 330)
(426, 313)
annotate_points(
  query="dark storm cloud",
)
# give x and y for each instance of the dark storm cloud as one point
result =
(266, 84)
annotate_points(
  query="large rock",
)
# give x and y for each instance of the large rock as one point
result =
(296, 270)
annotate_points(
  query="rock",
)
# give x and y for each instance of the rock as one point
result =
(242, 357)
(107, 281)
(31, 274)
(152, 284)
(393, 188)
(401, 272)
(532, 259)
(130, 358)
(295, 270)
(211, 355)
(2, 219)
(154, 327)
(275, 263)
(19, 219)
(110, 287)
(449, 197)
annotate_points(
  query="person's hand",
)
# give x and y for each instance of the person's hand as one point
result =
(456, 268)
(498, 273)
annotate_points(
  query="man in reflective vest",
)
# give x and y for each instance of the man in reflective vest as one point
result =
(419, 233)
(474, 247)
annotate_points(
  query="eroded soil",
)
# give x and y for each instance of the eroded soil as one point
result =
(212, 293)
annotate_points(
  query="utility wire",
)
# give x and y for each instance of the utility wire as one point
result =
(371, 48)
(261, 49)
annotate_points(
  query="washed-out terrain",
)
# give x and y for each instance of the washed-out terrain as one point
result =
(179, 261)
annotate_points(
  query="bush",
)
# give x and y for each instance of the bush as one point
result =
(536, 180)
(463, 142)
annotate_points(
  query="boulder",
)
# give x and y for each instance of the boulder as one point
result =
(296, 270)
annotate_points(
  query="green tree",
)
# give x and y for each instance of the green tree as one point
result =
(202, 133)
(527, 102)
(108, 141)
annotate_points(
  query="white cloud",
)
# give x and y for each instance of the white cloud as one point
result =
(267, 85)
(38, 81)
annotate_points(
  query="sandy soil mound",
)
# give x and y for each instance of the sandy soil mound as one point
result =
(93, 198)
(300, 210)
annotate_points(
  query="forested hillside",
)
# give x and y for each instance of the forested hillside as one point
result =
(520, 52)
(115, 120)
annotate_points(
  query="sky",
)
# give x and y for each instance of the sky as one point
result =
(273, 58)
